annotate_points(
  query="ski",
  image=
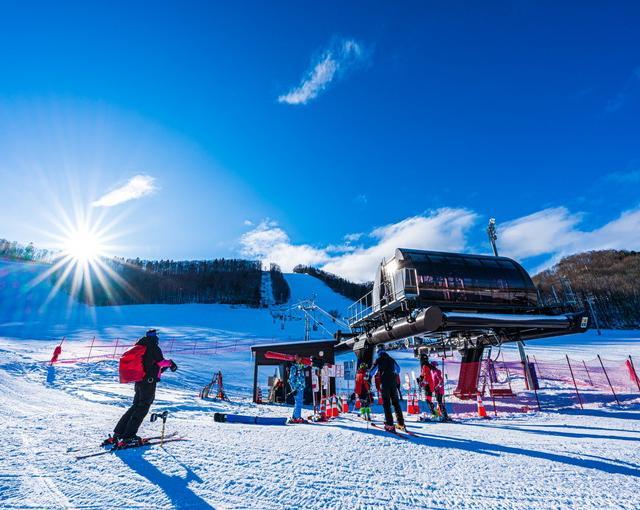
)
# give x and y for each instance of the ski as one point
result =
(151, 438)
(114, 450)
(402, 435)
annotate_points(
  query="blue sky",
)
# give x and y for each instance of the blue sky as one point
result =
(324, 133)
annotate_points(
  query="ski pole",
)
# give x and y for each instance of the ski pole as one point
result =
(163, 417)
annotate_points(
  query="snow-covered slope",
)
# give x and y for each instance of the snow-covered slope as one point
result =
(560, 458)
(34, 311)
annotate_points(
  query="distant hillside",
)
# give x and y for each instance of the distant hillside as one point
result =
(610, 277)
(226, 281)
(350, 290)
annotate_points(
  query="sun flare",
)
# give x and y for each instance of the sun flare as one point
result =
(83, 246)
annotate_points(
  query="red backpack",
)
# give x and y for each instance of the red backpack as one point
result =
(131, 368)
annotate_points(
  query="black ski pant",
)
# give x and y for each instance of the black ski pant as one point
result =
(427, 396)
(130, 422)
(389, 398)
(443, 409)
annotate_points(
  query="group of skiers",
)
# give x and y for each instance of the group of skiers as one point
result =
(385, 372)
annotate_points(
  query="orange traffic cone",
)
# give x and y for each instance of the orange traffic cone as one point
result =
(323, 409)
(345, 404)
(336, 409)
(258, 395)
(482, 412)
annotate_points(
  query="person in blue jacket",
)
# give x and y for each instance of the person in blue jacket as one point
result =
(388, 370)
(297, 382)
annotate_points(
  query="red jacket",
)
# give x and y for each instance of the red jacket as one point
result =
(362, 385)
(427, 376)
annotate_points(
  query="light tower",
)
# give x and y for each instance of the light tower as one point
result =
(493, 237)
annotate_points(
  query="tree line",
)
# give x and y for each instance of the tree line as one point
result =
(15, 251)
(136, 281)
(281, 290)
(610, 279)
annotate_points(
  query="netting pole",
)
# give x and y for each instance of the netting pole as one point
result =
(195, 342)
(493, 396)
(634, 372)
(587, 371)
(91, 348)
(574, 382)
(608, 380)
(535, 391)
(115, 350)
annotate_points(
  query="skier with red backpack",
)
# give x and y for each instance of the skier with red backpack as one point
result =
(142, 365)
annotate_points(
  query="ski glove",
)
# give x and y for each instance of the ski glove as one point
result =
(173, 367)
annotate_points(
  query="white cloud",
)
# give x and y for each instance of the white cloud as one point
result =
(542, 232)
(136, 187)
(554, 232)
(332, 63)
(444, 229)
(269, 243)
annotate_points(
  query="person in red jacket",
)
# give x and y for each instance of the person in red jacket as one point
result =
(153, 362)
(438, 389)
(426, 383)
(363, 391)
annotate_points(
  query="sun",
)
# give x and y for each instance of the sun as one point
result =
(83, 246)
(82, 261)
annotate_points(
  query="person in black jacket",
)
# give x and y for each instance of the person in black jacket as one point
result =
(388, 370)
(125, 433)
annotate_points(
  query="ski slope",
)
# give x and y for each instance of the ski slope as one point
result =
(563, 457)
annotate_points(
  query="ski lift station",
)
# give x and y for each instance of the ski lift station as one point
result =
(451, 301)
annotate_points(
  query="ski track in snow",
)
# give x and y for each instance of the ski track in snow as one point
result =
(561, 458)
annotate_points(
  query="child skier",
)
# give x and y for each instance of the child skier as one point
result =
(363, 392)
(297, 382)
(425, 381)
(438, 388)
(153, 362)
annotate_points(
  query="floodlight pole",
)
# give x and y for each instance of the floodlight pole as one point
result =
(493, 237)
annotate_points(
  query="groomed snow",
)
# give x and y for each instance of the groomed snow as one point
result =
(561, 458)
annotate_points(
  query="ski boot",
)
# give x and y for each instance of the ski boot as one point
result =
(129, 442)
(401, 428)
(110, 441)
(390, 428)
(295, 421)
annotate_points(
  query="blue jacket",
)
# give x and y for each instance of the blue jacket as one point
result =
(297, 380)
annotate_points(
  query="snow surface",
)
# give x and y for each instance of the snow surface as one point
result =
(561, 458)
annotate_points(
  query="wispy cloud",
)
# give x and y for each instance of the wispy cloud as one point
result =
(632, 176)
(621, 98)
(341, 56)
(136, 187)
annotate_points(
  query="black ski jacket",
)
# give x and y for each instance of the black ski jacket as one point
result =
(151, 357)
(387, 367)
